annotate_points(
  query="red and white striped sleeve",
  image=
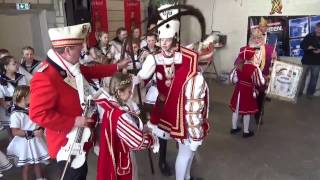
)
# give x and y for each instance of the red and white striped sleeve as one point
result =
(133, 137)
(195, 91)
(257, 78)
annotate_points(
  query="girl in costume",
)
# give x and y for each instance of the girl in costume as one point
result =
(9, 80)
(28, 147)
(121, 131)
(103, 43)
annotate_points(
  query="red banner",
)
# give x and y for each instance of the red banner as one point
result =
(132, 14)
(99, 17)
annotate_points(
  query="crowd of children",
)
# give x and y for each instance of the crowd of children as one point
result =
(27, 147)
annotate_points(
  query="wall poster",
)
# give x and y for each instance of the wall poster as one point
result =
(289, 31)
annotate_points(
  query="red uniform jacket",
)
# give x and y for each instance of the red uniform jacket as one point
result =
(54, 104)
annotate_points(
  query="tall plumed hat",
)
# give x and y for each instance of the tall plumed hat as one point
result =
(171, 28)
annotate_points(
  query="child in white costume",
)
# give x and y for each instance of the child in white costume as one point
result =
(9, 79)
(28, 146)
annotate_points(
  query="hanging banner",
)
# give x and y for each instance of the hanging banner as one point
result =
(132, 14)
(99, 19)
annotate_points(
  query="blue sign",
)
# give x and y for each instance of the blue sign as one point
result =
(313, 21)
(298, 27)
(295, 49)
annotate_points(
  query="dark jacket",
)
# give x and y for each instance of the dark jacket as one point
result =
(309, 57)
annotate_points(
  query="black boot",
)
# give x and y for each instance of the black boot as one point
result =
(163, 165)
(234, 131)
(247, 135)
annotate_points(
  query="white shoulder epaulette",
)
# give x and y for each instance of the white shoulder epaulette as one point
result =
(42, 68)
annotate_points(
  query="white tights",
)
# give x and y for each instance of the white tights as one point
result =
(246, 122)
(184, 162)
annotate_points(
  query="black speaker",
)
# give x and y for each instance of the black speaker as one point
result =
(77, 11)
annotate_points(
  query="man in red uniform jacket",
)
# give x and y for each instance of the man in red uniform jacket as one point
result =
(55, 101)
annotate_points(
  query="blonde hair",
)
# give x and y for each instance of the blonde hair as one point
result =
(119, 82)
(21, 91)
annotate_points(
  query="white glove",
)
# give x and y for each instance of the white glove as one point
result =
(155, 147)
(158, 132)
(117, 57)
(136, 80)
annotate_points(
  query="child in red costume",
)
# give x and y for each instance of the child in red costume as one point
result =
(121, 132)
(247, 78)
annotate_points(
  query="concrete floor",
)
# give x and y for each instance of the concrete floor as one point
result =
(285, 148)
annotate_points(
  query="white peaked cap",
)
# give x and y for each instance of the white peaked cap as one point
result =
(69, 35)
(169, 29)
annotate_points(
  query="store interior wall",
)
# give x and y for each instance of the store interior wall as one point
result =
(26, 29)
(16, 33)
(231, 18)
